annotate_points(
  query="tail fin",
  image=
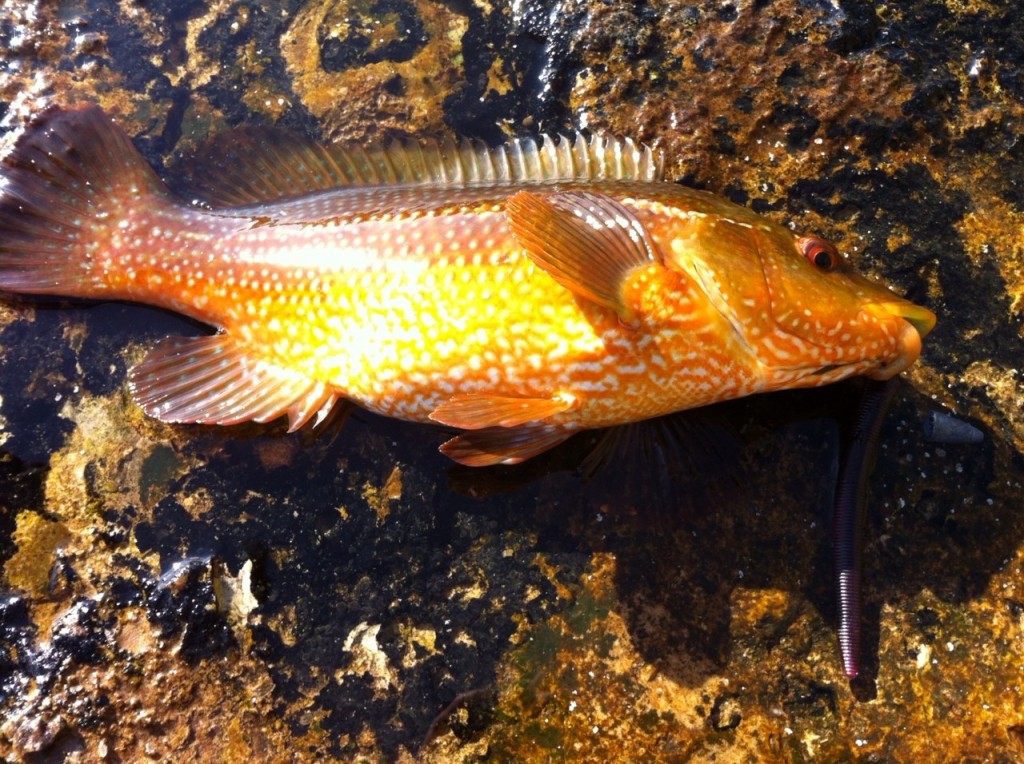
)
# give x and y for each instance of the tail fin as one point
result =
(64, 188)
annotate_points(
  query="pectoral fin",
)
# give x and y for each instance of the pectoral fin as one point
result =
(587, 242)
(212, 380)
(502, 445)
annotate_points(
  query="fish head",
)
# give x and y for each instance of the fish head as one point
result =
(798, 306)
(826, 319)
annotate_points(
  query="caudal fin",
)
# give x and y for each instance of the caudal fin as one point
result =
(64, 188)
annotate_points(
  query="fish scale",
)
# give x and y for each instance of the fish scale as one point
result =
(383, 326)
(519, 293)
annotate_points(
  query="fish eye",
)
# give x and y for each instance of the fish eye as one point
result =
(819, 253)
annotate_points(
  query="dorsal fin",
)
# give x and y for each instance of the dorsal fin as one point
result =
(251, 165)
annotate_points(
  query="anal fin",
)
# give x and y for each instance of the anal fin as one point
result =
(212, 380)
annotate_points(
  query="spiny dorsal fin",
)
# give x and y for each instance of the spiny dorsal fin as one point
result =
(250, 165)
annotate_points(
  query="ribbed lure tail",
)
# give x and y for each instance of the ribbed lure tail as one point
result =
(64, 192)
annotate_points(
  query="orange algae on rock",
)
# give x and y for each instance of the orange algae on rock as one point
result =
(37, 540)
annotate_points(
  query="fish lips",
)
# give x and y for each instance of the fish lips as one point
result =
(915, 323)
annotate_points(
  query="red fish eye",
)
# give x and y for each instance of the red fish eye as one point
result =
(820, 253)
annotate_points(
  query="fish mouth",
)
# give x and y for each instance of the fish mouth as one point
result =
(915, 323)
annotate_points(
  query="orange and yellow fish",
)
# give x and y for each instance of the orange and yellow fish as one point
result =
(518, 293)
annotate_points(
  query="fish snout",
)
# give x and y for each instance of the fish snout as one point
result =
(914, 323)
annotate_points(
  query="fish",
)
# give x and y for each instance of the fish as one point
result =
(517, 294)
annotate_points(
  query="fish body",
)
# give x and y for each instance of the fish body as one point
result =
(519, 294)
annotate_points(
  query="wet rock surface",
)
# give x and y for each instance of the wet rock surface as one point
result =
(239, 593)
